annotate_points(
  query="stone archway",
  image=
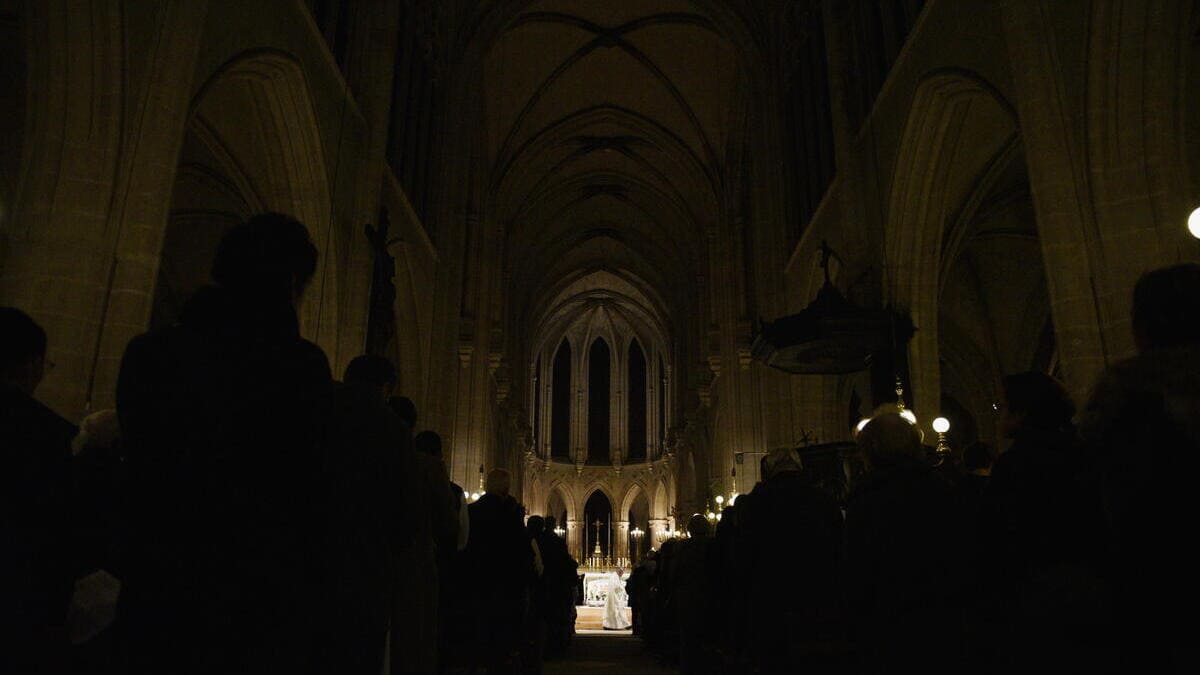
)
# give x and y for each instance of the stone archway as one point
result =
(599, 529)
(957, 130)
(635, 514)
(251, 144)
(559, 505)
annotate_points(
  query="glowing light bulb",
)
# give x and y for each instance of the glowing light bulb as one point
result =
(720, 499)
(1194, 223)
(474, 496)
(941, 425)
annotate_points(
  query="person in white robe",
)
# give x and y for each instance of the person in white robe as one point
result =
(615, 604)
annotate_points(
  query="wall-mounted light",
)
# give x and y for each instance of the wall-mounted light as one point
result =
(1193, 223)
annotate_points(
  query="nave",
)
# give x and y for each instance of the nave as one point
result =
(855, 332)
(601, 654)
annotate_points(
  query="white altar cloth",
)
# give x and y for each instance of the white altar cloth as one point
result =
(595, 587)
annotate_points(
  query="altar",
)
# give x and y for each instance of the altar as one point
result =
(596, 585)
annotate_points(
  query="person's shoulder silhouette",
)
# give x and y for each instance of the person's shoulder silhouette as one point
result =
(223, 417)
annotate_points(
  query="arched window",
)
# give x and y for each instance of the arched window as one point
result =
(599, 385)
(560, 413)
(637, 402)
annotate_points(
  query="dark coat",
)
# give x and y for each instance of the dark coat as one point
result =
(1140, 433)
(36, 575)
(559, 570)
(498, 547)
(906, 564)
(367, 528)
(500, 562)
(1040, 516)
(223, 420)
(789, 534)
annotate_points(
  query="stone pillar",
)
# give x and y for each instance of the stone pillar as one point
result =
(575, 539)
(657, 531)
(621, 543)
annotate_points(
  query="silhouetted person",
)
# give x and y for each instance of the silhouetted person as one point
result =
(904, 559)
(425, 495)
(452, 610)
(500, 564)
(535, 614)
(977, 461)
(559, 579)
(1141, 432)
(35, 451)
(406, 410)
(430, 443)
(426, 499)
(223, 419)
(638, 588)
(694, 586)
(97, 487)
(785, 632)
(1030, 480)
(367, 527)
(1044, 529)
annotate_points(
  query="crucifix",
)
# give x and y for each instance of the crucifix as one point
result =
(596, 550)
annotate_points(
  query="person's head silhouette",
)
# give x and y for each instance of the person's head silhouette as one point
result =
(888, 437)
(1034, 402)
(428, 442)
(499, 482)
(22, 350)
(270, 257)
(535, 525)
(374, 373)
(405, 409)
(1166, 307)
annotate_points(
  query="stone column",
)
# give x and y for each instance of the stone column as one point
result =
(575, 539)
(1050, 133)
(621, 545)
(657, 531)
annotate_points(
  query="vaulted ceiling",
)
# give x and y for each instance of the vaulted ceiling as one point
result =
(608, 124)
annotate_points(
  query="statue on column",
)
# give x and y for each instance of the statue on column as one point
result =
(381, 317)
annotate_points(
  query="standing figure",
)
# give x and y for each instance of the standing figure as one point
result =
(223, 419)
(35, 451)
(614, 603)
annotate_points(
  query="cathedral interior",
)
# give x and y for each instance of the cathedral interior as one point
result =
(603, 241)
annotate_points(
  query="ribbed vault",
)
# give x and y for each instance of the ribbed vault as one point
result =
(609, 126)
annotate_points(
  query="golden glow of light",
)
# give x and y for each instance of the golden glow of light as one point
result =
(720, 499)
(909, 416)
(941, 425)
(474, 496)
(862, 424)
(1194, 223)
